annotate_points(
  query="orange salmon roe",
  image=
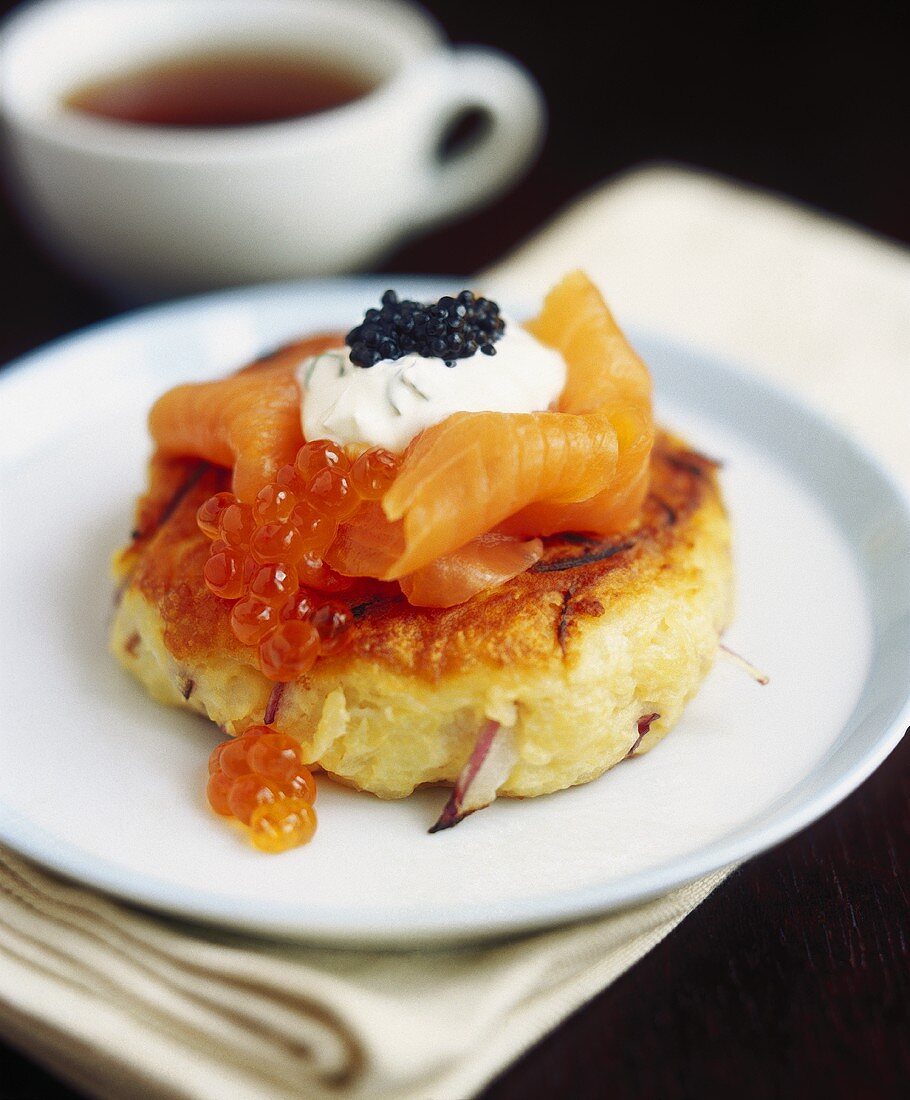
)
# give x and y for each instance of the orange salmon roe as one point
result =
(288, 651)
(332, 621)
(275, 756)
(209, 515)
(236, 525)
(274, 583)
(251, 620)
(287, 478)
(303, 785)
(258, 779)
(223, 574)
(215, 758)
(276, 542)
(268, 557)
(249, 791)
(274, 504)
(373, 473)
(299, 606)
(314, 573)
(281, 825)
(331, 492)
(317, 530)
(234, 760)
(218, 790)
(320, 454)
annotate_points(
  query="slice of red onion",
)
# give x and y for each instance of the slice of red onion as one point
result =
(489, 766)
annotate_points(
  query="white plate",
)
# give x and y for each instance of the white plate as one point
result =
(105, 786)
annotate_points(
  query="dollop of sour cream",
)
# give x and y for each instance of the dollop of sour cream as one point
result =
(387, 404)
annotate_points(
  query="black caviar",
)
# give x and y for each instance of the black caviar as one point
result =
(450, 329)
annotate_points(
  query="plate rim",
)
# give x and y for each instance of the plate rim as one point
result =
(536, 911)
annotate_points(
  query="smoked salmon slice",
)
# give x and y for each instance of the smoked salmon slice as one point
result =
(463, 477)
(616, 507)
(249, 421)
(584, 468)
(603, 371)
(485, 562)
(370, 545)
(600, 361)
(474, 491)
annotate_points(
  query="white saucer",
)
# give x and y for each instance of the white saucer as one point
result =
(105, 786)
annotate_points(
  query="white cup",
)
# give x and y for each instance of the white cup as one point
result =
(146, 210)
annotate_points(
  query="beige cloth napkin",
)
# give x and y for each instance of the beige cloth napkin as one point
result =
(815, 304)
(125, 1004)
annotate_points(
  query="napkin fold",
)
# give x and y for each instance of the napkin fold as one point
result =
(124, 1004)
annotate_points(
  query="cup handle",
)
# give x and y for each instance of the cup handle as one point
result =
(514, 113)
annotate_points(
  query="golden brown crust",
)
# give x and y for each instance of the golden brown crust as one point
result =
(519, 623)
(569, 657)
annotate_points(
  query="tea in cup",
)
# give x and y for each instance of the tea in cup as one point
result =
(161, 146)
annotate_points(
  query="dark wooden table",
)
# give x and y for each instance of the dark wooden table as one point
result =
(793, 979)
